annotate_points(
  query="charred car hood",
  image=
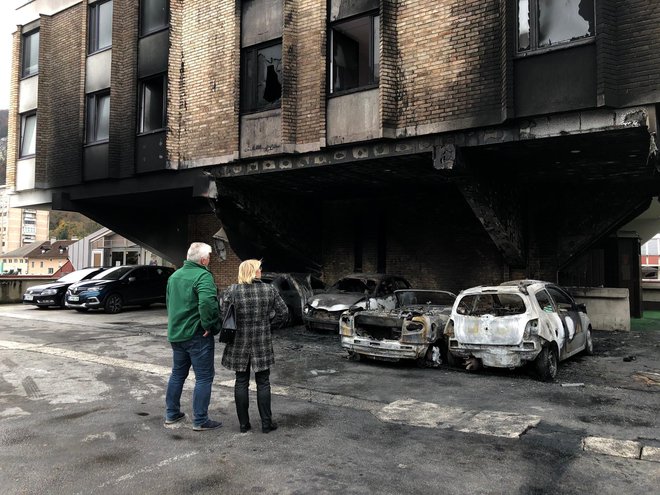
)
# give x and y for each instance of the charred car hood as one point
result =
(335, 301)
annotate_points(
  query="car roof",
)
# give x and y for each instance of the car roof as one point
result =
(512, 287)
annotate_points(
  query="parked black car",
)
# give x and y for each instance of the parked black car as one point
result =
(52, 294)
(111, 290)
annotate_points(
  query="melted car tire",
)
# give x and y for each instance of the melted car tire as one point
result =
(547, 363)
(589, 344)
(113, 304)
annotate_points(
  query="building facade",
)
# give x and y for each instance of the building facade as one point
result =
(20, 226)
(456, 142)
(39, 258)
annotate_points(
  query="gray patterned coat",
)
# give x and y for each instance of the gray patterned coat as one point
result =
(258, 306)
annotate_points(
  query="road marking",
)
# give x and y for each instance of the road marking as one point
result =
(650, 454)
(408, 411)
(429, 415)
(612, 446)
(106, 434)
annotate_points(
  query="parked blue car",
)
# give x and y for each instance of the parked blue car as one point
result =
(113, 289)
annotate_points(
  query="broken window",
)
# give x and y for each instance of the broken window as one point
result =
(261, 86)
(355, 53)
(491, 304)
(546, 23)
(153, 98)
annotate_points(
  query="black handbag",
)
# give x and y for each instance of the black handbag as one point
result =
(228, 328)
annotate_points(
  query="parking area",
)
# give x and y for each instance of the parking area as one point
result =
(81, 396)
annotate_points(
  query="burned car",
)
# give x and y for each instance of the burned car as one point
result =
(369, 291)
(515, 323)
(295, 289)
(413, 330)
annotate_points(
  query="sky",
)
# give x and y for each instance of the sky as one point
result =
(7, 8)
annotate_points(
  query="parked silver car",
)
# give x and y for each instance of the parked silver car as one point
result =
(518, 322)
(412, 330)
(367, 290)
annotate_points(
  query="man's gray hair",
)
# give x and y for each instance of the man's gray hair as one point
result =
(197, 251)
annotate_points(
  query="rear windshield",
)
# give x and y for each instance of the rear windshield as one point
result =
(423, 297)
(491, 304)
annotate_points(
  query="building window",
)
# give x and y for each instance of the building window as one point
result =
(546, 23)
(30, 55)
(50, 271)
(153, 104)
(28, 134)
(153, 16)
(41, 264)
(98, 117)
(261, 84)
(100, 26)
(355, 53)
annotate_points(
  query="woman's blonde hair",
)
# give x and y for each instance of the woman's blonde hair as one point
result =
(247, 271)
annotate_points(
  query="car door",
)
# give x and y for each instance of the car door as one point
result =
(570, 318)
(137, 288)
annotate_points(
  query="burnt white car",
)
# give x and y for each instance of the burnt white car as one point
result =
(365, 290)
(413, 330)
(518, 322)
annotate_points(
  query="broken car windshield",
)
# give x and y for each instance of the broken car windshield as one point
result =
(420, 297)
(491, 304)
(355, 285)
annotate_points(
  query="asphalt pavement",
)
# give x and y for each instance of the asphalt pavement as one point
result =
(82, 404)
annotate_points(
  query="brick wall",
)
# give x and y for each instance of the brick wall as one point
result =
(204, 65)
(449, 58)
(201, 229)
(638, 39)
(426, 241)
(13, 121)
(123, 83)
(60, 113)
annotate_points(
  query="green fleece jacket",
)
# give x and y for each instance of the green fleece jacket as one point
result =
(192, 303)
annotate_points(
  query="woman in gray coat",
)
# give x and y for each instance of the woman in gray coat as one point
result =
(258, 307)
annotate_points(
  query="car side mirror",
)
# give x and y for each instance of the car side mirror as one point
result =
(581, 307)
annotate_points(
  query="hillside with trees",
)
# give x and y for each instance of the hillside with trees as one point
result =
(68, 224)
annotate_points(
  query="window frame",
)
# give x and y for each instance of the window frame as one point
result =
(157, 29)
(24, 37)
(372, 14)
(244, 68)
(93, 18)
(91, 132)
(24, 117)
(141, 104)
(534, 48)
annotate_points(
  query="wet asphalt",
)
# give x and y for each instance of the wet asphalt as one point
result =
(82, 403)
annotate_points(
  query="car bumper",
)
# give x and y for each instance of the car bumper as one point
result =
(383, 349)
(87, 303)
(322, 323)
(497, 356)
(43, 300)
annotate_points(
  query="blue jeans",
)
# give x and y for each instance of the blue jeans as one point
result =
(198, 352)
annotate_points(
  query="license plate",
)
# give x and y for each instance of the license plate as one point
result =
(74, 298)
(28, 297)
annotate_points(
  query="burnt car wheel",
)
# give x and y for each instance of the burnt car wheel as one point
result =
(113, 304)
(589, 344)
(546, 363)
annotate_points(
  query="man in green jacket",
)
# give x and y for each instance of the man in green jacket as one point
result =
(193, 318)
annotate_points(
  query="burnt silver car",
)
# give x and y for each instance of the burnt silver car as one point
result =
(413, 330)
(365, 290)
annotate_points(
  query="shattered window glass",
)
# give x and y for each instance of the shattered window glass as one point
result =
(491, 304)
(544, 23)
(262, 77)
(355, 57)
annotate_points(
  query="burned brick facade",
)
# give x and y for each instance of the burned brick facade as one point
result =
(441, 141)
